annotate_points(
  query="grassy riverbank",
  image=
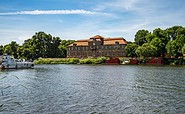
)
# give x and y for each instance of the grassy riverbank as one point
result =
(96, 61)
(69, 60)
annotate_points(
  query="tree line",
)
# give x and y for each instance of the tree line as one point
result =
(159, 43)
(40, 45)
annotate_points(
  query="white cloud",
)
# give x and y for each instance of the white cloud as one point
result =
(116, 4)
(50, 12)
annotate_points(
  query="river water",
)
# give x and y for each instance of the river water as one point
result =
(93, 89)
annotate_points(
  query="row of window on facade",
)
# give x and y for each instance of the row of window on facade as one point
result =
(96, 53)
(97, 47)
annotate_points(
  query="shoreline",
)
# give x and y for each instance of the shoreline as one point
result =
(95, 61)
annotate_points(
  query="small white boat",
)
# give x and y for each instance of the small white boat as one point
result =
(8, 62)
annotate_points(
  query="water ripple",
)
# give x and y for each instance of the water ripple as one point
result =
(93, 89)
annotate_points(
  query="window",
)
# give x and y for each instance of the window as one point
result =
(123, 46)
(116, 42)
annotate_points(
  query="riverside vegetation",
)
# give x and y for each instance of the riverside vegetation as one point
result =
(69, 60)
(159, 43)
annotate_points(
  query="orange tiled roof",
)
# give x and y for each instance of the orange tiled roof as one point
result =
(106, 41)
(97, 37)
(110, 41)
(80, 43)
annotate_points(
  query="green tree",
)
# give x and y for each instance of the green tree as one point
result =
(173, 32)
(1, 50)
(62, 51)
(180, 41)
(149, 37)
(159, 45)
(26, 50)
(183, 49)
(43, 45)
(130, 49)
(162, 35)
(146, 50)
(140, 37)
(51, 48)
(8, 50)
(11, 49)
(63, 47)
(174, 47)
(67, 42)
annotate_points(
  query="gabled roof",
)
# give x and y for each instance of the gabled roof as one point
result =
(106, 41)
(97, 37)
(110, 41)
(80, 43)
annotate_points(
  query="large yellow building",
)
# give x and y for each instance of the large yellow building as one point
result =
(97, 46)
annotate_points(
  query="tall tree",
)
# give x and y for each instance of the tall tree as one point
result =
(174, 47)
(130, 49)
(146, 50)
(63, 47)
(149, 37)
(44, 45)
(140, 37)
(173, 32)
(159, 45)
(11, 49)
(161, 34)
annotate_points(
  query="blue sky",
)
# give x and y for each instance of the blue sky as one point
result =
(81, 19)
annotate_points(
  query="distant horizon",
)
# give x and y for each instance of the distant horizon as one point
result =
(73, 20)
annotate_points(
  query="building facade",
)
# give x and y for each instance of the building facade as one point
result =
(97, 46)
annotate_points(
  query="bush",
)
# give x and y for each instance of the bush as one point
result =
(73, 61)
(69, 60)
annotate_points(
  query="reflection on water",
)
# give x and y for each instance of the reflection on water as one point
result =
(93, 89)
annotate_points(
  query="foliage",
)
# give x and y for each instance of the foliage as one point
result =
(1, 49)
(92, 60)
(174, 47)
(159, 45)
(69, 60)
(11, 49)
(40, 45)
(130, 49)
(161, 34)
(146, 50)
(183, 49)
(174, 31)
(169, 41)
(51, 61)
(74, 61)
(160, 42)
(140, 37)
(149, 37)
